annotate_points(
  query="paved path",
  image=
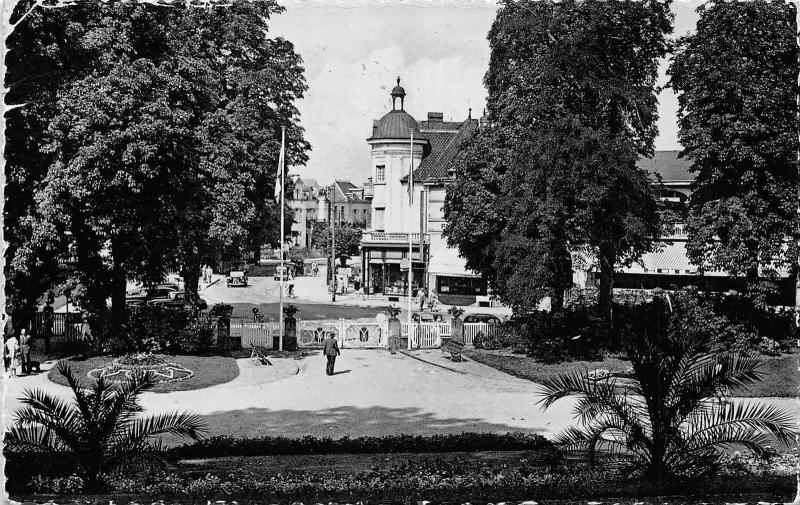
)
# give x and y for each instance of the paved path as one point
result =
(373, 393)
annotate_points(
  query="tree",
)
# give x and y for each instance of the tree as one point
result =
(736, 79)
(133, 184)
(348, 240)
(572, 106)
(102, 431)
(667, 418)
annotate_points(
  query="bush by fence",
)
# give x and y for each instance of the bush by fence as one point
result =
(164, 330)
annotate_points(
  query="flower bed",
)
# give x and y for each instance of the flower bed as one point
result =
(127, 367)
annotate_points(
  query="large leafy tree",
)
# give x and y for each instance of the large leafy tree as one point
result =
(348, 240)
(572, 106)
(736, 79)
(160, 140)
(666, 418)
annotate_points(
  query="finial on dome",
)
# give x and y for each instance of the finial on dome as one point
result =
(469, 115)
(398, 92)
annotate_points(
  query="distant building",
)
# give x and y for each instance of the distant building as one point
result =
(312, 204)
(385, 245)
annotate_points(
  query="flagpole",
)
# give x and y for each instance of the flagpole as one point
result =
(410, 243)
(282, 272)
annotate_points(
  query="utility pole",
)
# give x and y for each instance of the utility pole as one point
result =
(333, 243)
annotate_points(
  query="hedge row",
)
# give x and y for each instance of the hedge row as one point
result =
(265, 446)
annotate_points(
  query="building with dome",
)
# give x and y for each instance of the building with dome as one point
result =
(396, 213)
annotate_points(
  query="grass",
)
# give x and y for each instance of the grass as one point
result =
(208, 371)
(781, 371)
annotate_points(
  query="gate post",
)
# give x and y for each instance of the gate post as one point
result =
(341, 332)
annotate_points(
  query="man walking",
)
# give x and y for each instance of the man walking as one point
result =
(330, 349)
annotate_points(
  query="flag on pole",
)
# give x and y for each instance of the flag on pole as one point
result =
(411, 173)
(279, 175)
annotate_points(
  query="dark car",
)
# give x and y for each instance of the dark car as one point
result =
(143, 296)
(177, 299)
(482, 318)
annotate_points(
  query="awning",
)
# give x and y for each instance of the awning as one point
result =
(446, 261)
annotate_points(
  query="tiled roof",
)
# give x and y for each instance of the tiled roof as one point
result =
(445, 138)
(668, 165)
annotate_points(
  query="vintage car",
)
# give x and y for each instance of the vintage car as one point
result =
(282, 273)
(177, 299)
(481, 318)
(428, 317)
(237, 279)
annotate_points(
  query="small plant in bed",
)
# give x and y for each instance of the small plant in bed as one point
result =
(126, 367)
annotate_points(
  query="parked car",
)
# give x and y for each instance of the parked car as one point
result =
(146, 294)
(428, 317)
(282, 273)
(237, 279)
(482, 318)
(176, 299)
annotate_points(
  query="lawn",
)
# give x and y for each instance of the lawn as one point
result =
(782, 374)
(208, 371)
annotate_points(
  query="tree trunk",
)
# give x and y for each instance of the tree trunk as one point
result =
(562, 277)
(607, 256)
(191, 279)
(119, 284)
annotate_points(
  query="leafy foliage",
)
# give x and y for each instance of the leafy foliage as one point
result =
(154, 329)
(157, 144)
(736, 79)
(102, 431)
(667, 417)
(348, 240)
(572, 106)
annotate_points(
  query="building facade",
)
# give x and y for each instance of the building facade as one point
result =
(406, 226)
(313, 203)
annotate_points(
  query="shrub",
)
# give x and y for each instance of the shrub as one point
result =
(465, 442)
(166, 330)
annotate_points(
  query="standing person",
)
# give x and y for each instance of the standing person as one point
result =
(422, 298)
(47, 321)
(314, 268)
(24, 350)
(330, 348)
(11, 352)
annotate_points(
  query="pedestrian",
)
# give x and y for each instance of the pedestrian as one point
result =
(330, 348)
(314, 268)
(11, 353)
(24, 350)
(422, 299)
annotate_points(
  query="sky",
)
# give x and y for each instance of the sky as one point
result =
(353, 50)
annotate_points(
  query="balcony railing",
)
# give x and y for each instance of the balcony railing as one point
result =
(380, 236)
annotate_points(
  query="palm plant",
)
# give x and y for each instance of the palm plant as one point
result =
(667, 417)
(102, 431)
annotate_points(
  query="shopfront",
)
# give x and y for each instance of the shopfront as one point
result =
(383, 273)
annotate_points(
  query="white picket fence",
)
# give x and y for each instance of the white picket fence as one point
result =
(353, 333)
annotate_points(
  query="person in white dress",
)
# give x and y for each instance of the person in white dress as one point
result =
(11, 351)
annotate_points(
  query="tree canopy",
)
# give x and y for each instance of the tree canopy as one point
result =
(161, 137)
(348, 240)
(736, 79)
(571, 107)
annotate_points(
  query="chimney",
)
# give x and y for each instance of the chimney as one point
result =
(435, 117)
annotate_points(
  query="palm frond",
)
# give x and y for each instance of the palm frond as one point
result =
(35, 439)
(741, 422)
(40, 408)
(182, 424)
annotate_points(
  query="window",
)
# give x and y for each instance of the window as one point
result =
(380, 173)
(379, 219)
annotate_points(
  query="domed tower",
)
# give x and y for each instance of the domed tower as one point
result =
(391, 158)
